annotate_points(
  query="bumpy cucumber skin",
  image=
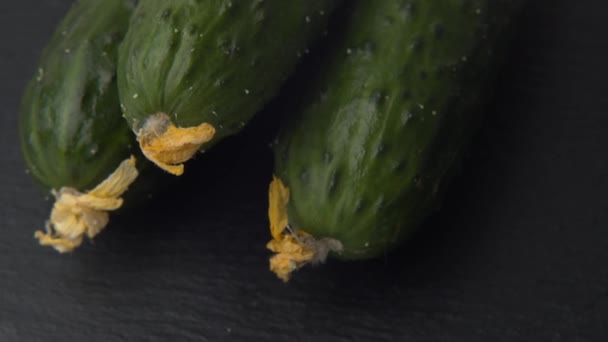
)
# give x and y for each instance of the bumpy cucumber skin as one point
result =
(214, 61)
(366, 160)
(71, 129)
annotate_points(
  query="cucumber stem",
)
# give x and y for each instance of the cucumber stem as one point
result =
(293, 249)
(75, 214)
(169, 146)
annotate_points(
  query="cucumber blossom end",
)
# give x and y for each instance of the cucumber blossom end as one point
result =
(293, 248)
(76, 215)
(169, 146)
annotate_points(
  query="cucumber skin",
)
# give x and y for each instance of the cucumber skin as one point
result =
(71, 129)
(213, 61)
(367, 159)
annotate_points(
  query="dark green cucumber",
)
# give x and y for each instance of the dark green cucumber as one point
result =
(366, 158)
(71, 129)
(72, 132)
(211, 61)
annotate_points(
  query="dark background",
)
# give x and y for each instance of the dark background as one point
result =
(518, 253)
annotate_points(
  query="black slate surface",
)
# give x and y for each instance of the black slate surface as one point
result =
(518, 253)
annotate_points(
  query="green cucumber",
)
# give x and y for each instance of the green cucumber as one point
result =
(71, 129)
(364, 161)
(207, 67)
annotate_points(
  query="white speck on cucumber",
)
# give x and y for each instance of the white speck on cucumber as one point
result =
(40, 75)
